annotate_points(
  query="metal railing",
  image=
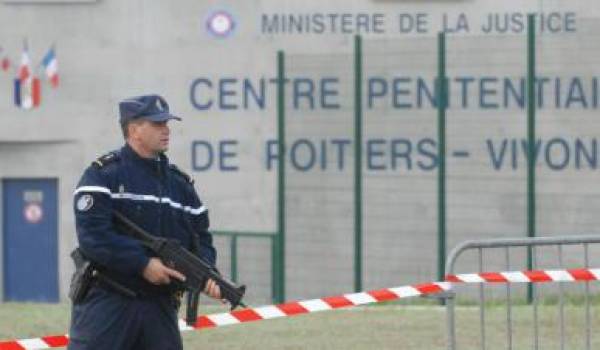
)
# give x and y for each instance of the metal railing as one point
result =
(530, 244)
(234, 237)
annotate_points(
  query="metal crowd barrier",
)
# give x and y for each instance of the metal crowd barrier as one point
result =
(507, 245)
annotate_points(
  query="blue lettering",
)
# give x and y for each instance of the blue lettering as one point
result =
(517, 21)
(415, 24)
(540, 81)
(511, 91)
(224, 92)
(485, 90)
(570, 22)
(576, 94)
(397, 153)
(464, 90)
(398, 91)
(362, 23)
(333, 21)
(323, 154)
(194, 94)
(225, 152)
(318, 23)
(272, 153)
(554, 17)
(197, 146)
(401, 92)
(405, 22)
(311, 154)
(346, 24)
(379, 23)
(259, 98)
(595, 92)
(427, 147)
(373, 153)
(341, 145)
(557, 92)
(327, 90)
(497, 159)
(307, 93)
(422, 89)
(462, 24)
(590, 156)
(295, 23)
(421, 22)
(373, 91)
(565, 151)
(556, 152)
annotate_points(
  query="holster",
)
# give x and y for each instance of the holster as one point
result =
(87, 274)
(82, 278)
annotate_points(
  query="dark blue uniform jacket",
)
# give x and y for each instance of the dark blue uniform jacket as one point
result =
(152, 193)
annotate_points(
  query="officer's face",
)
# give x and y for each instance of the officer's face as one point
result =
(151, 137)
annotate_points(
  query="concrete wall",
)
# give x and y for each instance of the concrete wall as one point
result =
(109, 50)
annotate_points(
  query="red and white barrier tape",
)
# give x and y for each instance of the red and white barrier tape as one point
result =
(315, 305)
(535, 276)
(346, 300)
(262, 313)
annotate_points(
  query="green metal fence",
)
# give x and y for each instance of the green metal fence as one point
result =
(234, 244)
(396, 149)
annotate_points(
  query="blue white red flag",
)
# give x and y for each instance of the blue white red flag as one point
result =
(4, 61)
(27, 88)
(51, 66)
(24, 72)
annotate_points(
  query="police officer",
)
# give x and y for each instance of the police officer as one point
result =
(138, 309)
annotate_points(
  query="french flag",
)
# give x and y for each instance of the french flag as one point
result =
(4, 62)
(24, 71)
(27, 88)
(51, 66)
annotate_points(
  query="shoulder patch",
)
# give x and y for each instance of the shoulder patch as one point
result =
(106, 159)
(181, 173)
(85, 202)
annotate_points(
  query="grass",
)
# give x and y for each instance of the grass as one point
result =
(391, 326)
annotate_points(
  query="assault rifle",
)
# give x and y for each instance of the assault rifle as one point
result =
(172, 254)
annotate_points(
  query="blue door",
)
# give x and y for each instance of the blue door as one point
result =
(29, 216)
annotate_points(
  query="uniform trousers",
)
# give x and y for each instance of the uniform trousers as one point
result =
(108, 320)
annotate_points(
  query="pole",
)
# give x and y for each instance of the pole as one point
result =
(280, 296)
(441, 107)
(358, 234)
(531, 154)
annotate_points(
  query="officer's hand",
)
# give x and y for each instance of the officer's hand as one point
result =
(157, 273)
(212, 289)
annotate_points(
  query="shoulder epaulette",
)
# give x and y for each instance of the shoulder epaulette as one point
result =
(181, 173)
(106, 159)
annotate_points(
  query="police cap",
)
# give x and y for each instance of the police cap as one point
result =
(150, 107)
